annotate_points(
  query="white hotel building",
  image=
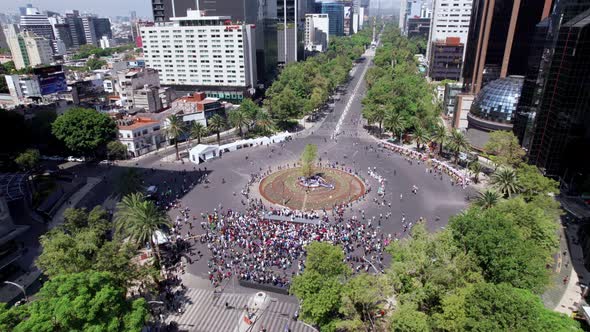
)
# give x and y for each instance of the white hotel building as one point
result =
(450, 18)
(209, 53)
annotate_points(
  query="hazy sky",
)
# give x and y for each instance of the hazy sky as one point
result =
(100, 7)
(113, 7)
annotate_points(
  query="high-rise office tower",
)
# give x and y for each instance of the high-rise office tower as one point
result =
(23, 10)
(163, 10)
(499, 39)
(74, 21)
(36, 22)
(413, 9)
(261, 13)
(557, 116)
(28, 49)
(335, 13)
(287, 27)
(61, 31)
(102, 27)
(450, 19)
(89, 30)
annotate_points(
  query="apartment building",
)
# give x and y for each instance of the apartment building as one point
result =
(208, 52)
(450, 18)
(317, 35)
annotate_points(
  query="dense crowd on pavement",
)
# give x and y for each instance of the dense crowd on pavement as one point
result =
(255, 247)
(258, 250)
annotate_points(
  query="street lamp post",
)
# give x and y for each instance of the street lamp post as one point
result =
(19, 287)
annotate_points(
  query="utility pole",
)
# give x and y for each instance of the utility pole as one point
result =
(296, 30)
(285, 29)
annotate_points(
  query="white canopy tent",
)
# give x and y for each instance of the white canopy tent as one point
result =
(202, 153)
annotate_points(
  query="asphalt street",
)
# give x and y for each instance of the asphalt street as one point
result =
(340, 138)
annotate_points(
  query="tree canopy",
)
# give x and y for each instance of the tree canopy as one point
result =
(81, 244)
(303, 87)
(397, 92)
(84, 131)
(28, 160)
(504, 148)
(498, 307)
(86, 301)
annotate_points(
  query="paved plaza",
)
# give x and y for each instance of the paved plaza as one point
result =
(217, 186)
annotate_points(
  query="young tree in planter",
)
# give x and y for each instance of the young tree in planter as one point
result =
(308, 160)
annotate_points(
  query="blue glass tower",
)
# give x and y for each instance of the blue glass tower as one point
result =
(335, 13)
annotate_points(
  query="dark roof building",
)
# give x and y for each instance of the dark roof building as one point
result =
(493, 108)
(561, 134)
(446, 60)
(499, 38)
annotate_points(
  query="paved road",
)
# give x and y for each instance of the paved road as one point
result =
(341, 138)
(205, 312)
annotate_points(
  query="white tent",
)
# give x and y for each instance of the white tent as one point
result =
(229, 147)
(280, 137)
(202, 153)
(160, 238)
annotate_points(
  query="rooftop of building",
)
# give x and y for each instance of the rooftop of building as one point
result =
(133, 123)
(198, 98)
(199, 15)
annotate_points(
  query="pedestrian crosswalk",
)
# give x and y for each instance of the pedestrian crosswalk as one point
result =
(206, 312)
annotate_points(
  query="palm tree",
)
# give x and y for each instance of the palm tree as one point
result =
(238, 119)
(138, 219)
(487, 199)
(175, 129)
(476, 168)
(217, 124)
(251, 110)
(420, 136)
(264, 121)
(505, 181)
(440, 135)
(394, 122)
(379, 116)
(458, 143)
(198, 131)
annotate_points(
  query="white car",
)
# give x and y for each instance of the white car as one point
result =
(105, 162)
(78, 159)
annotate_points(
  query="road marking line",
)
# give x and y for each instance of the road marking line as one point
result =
(350, 100)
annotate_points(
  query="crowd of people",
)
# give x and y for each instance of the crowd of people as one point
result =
(267, 252)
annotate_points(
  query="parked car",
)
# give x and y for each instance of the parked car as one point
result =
(105, 162)
(78, 159)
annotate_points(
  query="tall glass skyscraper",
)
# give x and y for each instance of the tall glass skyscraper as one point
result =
(335, 13)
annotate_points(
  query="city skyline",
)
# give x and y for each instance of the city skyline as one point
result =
(110, 8)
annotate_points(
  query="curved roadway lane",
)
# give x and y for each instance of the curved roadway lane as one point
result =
(341, 138)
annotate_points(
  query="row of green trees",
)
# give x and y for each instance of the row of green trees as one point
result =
(86, 51)
(305, 86)
(398, 98)
(485, 272)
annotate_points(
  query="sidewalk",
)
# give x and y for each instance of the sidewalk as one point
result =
(76, 197)
(571, 264)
